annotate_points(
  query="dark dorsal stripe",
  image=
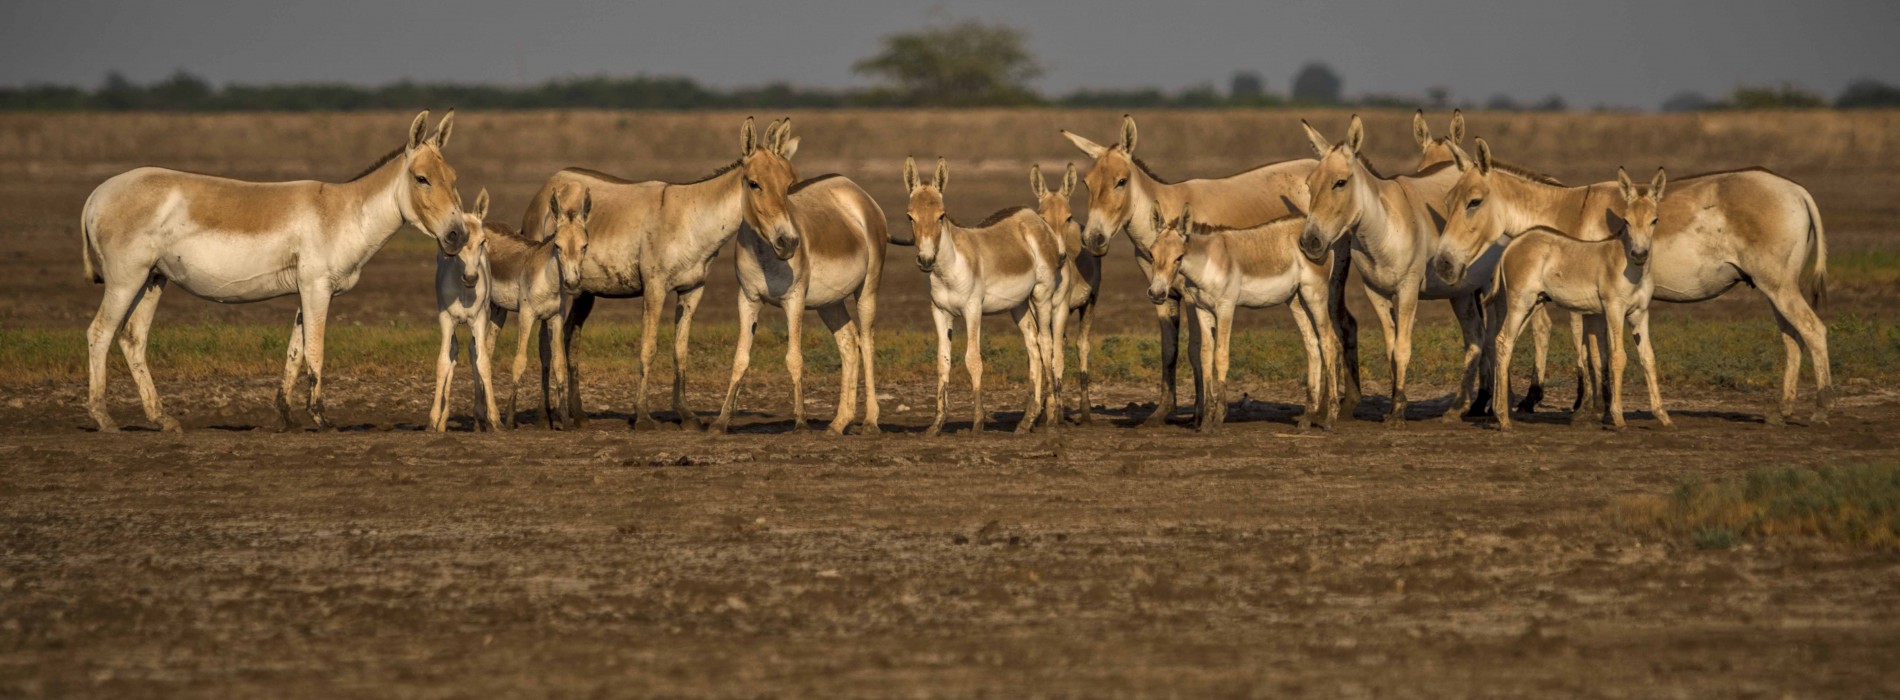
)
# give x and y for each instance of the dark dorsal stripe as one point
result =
(380, 162)
(598, 175)
(813, 181)
(994, 218)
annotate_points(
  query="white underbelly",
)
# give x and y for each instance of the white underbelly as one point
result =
(1003, 295)
(225, 268)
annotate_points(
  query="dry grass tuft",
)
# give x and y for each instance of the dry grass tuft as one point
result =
(1856, 506)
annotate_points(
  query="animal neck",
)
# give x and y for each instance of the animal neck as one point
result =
(710, 211)
(1145, 196)
(375, 205)
(1376, 219)
(1530, 204)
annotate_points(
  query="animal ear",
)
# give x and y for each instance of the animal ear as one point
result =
(1623, 183)
(1128, 134)
(1457, 126)
(1421, 132)
(417, 128)
(1160, 222)
(746, 138)
(481, 204)
(910, 173)
(554, 205)
(787, 147)
(1093, 149)
(1036, 185)
(1068, 181)
(1484, 157)
(943, 174)
(784, 135)
(1656, 185)
(587, 205)
(1355, 134)
(1187, 219)
(443, 129)
(1319, 143)
(1460, 159)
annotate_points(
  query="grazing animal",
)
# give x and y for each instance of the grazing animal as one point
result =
(234, 241)
(1716, 230)
(1123, 195)
(839, 263)
(1081, 279)
(649, 239)
(1011, 262)
(1611, 280)
(536, 280)
(1255, 267)
(1393, 231)
(462, 299)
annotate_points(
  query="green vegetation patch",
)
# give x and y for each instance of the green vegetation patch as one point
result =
(1856, 506)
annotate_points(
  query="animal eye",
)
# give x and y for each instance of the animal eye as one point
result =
(1474, 204)
(1655, 221)
(422, 179)
(754, 184)
(1121, 183)
(1341, 182)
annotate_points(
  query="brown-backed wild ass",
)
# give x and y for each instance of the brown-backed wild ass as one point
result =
(461, 299)
(1716, 230)
(1610, 280)
(1393, 231)
(1123, 196)
(234, 241)
(1011, 263)
(649, 239)
(838, 264)
(1081, 279)
(536, 280)
(1221, 270)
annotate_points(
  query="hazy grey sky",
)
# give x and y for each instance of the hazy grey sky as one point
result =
(1610, 52)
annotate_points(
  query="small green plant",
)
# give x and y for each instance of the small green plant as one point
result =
(1856, 505)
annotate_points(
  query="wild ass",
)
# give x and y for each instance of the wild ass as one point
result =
(536, 280)
(1435, 151)
(1254, 267)
(462, 299)
(1011, 262)
(838, 263)
(234, 241)
(1610, 280)
(648, 239)
(1123, 196)
(1081, 279)
(1716, 230)
(1393, 231)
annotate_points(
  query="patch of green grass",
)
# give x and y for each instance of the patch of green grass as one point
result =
(1857, 506)
(1864, 267)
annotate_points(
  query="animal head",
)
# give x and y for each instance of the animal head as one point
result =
(475, 248)
(926, 212)
(766, 165)
(1111, 182)
(1474, 219)
(1641, 210)
(1433, 151)
(568, 208)
(1341, 189)
(1170, 245)
(1053, 205)
(427, 196)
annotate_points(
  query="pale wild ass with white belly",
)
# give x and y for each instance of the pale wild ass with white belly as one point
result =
(1393, 231)
(1221, 270)
(648, 239)
(1011, 262)
(1717, 230)
(1610, 280)
(839, 263)
(536, 280)
(462, 299)
(234, 241)
(1123, 196)
(1081, 280)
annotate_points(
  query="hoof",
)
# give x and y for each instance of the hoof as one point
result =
(868, 429)
(170, 425)
(1614, 427)
(1504, 426)
(1582, 418)
(1663, 418)
(1532, 397)
(1819, 419)
(799, 426)
(1157, 419)
(1303, 423)
(837, 428)
(644, 423)
(934, 430)
(1395, 418)
(1453, 416)
(1775, 418)
(691, 422)
(720, 427)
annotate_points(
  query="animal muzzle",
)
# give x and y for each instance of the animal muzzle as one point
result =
(1311, 246)
(1448, 270)
(1095, 242)
(926, 262)
(1639, 256)
(1158, 294)
(470, 280)
(453, 238)
(785, 246)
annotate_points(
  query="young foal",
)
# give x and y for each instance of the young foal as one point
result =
(1010, 262)
(462, 299)
(1611, 278)
(1081, 278)
(234, 241)
(1256, 267)
(536, 279)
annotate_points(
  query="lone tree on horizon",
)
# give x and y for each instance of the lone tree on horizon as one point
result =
(968, 63)
(1316, 83)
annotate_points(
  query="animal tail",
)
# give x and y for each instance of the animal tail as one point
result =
(88, 250)
(1816, 264)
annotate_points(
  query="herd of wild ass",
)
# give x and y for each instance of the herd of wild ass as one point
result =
(1501, 243)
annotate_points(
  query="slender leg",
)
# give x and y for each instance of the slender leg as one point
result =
(1540, 357)
(316, 314)
(1779, 413)
(525, 333)
(1585, 389)
(867, 350)
(293, 370)
(1317, 303)
(1346, 328)
(649, 343)
(577, 313)
(556, 356)
(1471, 327)
(682, 331)
(132, 343)
(1613, 318)
(941, 320)
(1382, 308)
(1222, 337)
(1504, 338)
(741, 360)
(484, 375)
(1168, 318)
(1194, 338)
(444, 374)
(1309, 341)
(844, 331)
(496, 321)
(1026, 321)
(1813, 336)
(1646, 354)
(1056, 349)
(1590, 374)
(973, 358)
(113, 307)
(1084, 346)
(795, 355)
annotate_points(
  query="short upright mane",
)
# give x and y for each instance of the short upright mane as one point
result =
(380, 162)
(1201, 228)
(1526, 173)
(716, 173)
(1145, 170)
(598, 175)
(813, 181)
(998, 216)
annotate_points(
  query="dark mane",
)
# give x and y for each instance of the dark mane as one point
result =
(598, 175)
(996, 217)
(813, 181)
(380, 162)
(1525, 173)
(1367, 164)
(1750, 169)
(1204, 228)
(1145, 170)
(716, 173)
